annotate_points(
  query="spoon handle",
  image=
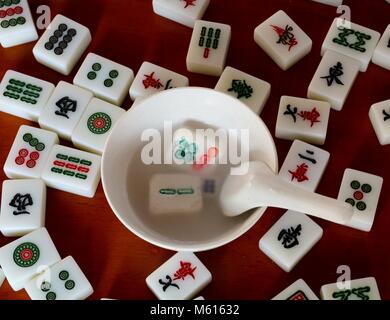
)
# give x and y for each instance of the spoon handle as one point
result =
(281, 194)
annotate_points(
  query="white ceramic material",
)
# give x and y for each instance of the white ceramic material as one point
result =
(380, 119)
(352, 40)
(17, 25)
(183, 12)
(290, 239)
(298, 291)
(381, 55)
(169, 283)
(359, 289)
(283, 40)
(334, 3)
(24, 96)
(62, 44)
(23, 207)
(304, 165)
(126, 179)
(63, 281)
(362, 191)
(261, 187)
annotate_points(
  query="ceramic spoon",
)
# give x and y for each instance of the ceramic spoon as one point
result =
(260, 187)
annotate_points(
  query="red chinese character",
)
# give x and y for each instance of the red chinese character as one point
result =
(184, 271)
(311, 116)
(300, 173)
(150, 81)
(189, 3)
(286, 37)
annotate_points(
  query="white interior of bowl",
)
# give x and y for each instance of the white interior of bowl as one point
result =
(122, 170)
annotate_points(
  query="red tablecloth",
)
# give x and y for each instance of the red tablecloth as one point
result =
(127, 31)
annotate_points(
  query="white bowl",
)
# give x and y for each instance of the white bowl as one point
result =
(125, 177)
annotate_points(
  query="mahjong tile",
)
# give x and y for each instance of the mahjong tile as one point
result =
(151, 79)
(290, 239)
(24, 96)
(23, 207)
(72, 171)
(107, 79)
(253, 91)
(352, 40)
(381, 55)
(334, 3)
(283, 40)
(380, 120)
(64, 109)
(334, 79)
(302, 119)
(208, 48)
(359, 289)
(185, 12)
(26, 257)
(193, 149)
(62, 281)
(298, 291)
(2, 277)
(180, 278)
(175, 194)
(362, 191)
(304, 165)
(95, 125)
(62, 44)
(16, 23)
(29, 152)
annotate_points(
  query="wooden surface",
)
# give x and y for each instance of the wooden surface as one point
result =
(127, 31)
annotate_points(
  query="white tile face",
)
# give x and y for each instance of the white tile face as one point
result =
(208, 48)
(72, 171)
(381, 55)
(95, 125)
(334, 3)
(62, 44)
(283, 40)
(64, 109)
(151, 79)
(302, 119)
(175, 194)
(29, 152)
(23, 207)
(380, 120)
(16, 23)
(304, 165)
(2, 277)
(185, 12)
(180, 278)
(298, 291)
(26, 257)
(360, 289)
(24, 96)
(362, 191)
(253, 91)
(62, 281)
(290, 239)
(107, 79)
(334, 79)
(352, 40)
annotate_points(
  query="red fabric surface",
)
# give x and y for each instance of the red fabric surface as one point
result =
(127, 31)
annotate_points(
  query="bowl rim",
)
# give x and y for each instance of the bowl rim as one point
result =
(235, 233)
